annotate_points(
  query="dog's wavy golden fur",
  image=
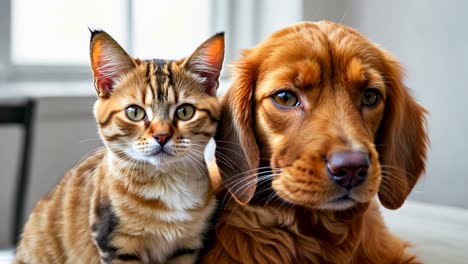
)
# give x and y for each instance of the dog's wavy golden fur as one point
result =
(304, 105)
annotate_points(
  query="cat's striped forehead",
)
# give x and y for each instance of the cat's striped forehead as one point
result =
(160, 79)
(159, 87)
(160, 83)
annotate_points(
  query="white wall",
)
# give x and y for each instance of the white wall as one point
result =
(431, 40)
(65, 131)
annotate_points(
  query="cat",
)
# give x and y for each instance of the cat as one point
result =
(146, 196)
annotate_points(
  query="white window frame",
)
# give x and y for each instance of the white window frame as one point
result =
(10, 72)
(5, 22)
(246, 22)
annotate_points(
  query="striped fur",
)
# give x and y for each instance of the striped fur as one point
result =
(135, 200)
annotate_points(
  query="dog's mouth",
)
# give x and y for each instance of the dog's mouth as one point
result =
(342, 199)
(294, 188)
(339, 203)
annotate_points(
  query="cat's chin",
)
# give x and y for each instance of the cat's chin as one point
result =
(162, 160)
(159, 161)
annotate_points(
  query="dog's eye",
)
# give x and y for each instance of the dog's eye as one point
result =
(135, 113)
(370, 97)
(285, 99)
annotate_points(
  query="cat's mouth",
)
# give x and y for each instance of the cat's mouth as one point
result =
(160, 158)
(163, 152)
(157, 154)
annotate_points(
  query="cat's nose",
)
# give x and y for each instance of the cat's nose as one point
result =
(162, 138)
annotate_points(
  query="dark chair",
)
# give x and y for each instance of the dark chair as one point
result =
(20, 114)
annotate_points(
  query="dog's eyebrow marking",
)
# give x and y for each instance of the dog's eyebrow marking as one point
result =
(375, 79)
(356, 72)
(308, 73)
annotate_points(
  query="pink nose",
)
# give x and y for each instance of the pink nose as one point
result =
(348, 168)
(162, 138)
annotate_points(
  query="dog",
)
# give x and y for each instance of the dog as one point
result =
(316, 125)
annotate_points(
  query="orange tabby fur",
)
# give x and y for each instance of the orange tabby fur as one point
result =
(125, 203)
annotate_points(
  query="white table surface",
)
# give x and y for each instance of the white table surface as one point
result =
(439, 233)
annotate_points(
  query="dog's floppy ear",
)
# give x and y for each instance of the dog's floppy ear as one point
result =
(237, 153)
(401, 140)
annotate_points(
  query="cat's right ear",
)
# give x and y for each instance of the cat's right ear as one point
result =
(207, 61)
(108, 61)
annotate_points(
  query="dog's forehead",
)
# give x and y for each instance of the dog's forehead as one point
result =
(309, 53)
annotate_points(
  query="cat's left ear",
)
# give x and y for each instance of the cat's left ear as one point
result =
(108, 62)
(207, 61)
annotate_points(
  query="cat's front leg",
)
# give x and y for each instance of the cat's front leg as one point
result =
(106, 237)
(119, 257)
(185, 256)
(187, 250)
(115, 253)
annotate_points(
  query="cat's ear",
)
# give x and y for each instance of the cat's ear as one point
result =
(207, 61)
(108, 61)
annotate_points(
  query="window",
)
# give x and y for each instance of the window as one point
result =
(48, 39)
(169, 29)
(55, 32)
(51, 36)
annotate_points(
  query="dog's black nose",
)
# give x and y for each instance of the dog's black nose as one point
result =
(348, 168)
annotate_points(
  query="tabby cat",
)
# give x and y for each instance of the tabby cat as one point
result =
(146, 196)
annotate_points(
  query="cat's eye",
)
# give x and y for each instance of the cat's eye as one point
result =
(135, 113)
(370, 97)
(285, 99)
(185, 112)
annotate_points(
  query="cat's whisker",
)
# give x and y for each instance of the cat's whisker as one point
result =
(227, 142)
(194, 161)
(201, 166)
(91, 152)
(228, 161)
(90, 139)
(260, 178)
(219, 153)
(199, 173)
(253, 172)
(249, 181)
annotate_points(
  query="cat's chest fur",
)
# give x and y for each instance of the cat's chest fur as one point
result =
(178, 189)
(157, 219)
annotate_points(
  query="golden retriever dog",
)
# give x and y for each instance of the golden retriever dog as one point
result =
(316, 124)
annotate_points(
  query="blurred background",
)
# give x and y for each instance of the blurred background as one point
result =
(44, 58)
